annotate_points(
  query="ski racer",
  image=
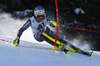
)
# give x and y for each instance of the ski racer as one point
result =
(41, 32)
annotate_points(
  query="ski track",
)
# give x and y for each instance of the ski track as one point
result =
(36, 54)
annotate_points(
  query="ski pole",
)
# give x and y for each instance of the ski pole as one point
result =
(65, 26)
(80, 29)
(6, 40)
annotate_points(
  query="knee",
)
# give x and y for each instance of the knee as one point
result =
(60, 47)
(38, 38)
(78, 50)
(62, 44)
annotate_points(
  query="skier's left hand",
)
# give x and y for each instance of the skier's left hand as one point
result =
(53, 24)
(16, 41)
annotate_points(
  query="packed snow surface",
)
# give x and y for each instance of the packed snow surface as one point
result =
(31, 53)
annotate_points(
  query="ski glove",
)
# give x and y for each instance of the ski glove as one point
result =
(15, 42)
(53, 24)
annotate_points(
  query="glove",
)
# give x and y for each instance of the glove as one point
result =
(15, 42)
(53, 24)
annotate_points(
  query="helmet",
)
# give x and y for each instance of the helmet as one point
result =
(39, 11)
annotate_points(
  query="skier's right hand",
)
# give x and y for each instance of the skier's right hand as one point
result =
(53, 24)
(16, 41)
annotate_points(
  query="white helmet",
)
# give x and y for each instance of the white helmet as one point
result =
(39, 11)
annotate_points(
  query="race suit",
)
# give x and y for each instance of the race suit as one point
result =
(42, 32)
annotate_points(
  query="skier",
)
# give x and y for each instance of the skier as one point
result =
(38, 23)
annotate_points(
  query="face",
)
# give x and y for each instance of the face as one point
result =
(40, 18)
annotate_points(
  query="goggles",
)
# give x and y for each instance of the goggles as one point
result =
(39, 13)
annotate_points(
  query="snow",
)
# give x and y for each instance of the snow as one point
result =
(77, 10)
(33, 53)
(22, 13)
(93, 26)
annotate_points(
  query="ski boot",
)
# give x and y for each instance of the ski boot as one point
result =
(83, 52)
(88, 53)
(66, 51)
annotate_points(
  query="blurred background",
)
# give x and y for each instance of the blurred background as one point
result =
(74, 13)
